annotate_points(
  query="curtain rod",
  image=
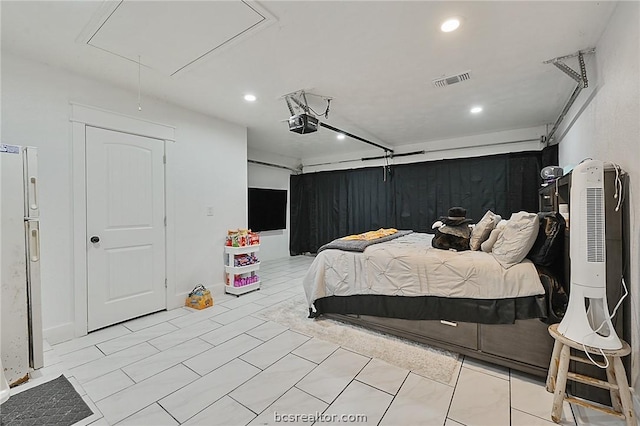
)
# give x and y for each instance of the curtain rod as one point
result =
(262, 163)
(404, 154)
(423, 152)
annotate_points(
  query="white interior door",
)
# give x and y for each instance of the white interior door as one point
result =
(125, 226)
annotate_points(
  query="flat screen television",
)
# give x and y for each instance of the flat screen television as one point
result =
(267, 209)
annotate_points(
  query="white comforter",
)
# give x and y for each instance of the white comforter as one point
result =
(409, 266)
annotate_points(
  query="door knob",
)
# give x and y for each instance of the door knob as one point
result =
(95, 239)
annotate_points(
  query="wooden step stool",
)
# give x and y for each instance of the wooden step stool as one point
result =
(616, 378)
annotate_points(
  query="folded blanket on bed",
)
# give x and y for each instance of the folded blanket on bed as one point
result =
(361, 244)
(371, 235)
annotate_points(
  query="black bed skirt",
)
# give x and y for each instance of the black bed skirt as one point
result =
(489, 311)
(548, 307)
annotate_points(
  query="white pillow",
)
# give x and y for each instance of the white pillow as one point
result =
(487, 246)
(516, 239)
(481, 231)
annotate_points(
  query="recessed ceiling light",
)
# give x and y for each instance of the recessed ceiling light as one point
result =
(340, 136)
(476, 110)
(250, 98)
(450, 25)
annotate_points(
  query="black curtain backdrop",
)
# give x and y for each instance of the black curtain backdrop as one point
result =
(329, 205)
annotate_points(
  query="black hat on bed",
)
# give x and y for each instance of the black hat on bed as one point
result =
(455, 216)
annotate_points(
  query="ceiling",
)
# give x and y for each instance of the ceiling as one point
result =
(375, 59)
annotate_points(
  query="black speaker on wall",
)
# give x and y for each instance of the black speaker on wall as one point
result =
(267, 209)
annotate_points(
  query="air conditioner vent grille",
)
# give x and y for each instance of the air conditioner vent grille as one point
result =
(452, 79)
(595, 225)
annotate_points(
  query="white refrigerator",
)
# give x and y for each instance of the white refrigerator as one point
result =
(20, 304)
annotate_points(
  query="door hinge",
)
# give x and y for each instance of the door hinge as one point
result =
(164, 159)
(165, 283)
(165, 221)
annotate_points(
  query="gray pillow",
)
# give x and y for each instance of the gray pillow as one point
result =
(516, 239)
(481, 231)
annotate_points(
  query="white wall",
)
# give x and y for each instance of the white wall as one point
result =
(273, 244)
(207, 166)
(607, 127)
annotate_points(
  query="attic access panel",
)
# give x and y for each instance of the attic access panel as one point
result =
(169, 36)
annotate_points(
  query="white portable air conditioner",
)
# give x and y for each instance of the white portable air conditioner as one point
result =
(592, 326)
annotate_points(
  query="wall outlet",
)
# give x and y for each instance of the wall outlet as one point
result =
(209, 211)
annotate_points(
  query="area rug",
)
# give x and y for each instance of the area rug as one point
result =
(433, 363)
(55, 402)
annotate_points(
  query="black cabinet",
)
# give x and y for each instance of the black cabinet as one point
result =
(555, 193)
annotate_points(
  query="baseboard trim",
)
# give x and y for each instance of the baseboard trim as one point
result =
(60, 333)
(177, 300)
(67, 331)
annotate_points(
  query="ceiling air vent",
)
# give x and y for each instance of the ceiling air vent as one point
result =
(452, 79)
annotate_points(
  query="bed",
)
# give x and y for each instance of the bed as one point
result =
(461, 301)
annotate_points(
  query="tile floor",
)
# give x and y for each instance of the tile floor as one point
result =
(225, 366)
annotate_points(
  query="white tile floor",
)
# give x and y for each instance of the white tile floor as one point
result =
(225, 366)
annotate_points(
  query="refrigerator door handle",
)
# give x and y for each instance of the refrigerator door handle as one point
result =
(34, 302)
(30, 170)
(35, 245)
(34, 184)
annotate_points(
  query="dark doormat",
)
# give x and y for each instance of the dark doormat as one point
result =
(53, 403)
